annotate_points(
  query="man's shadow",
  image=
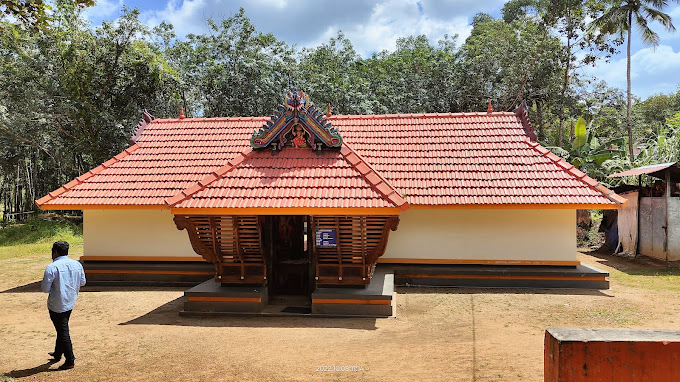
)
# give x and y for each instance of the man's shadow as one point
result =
(44, 368)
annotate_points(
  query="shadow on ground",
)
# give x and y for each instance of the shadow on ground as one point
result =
(168, 314)
(28, 288)
(638, 266)
(449, 290)
(44, 368)
(35, 287)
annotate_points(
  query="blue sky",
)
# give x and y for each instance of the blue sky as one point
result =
(374, 25)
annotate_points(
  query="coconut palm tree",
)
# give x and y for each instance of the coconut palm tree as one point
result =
(620, 17)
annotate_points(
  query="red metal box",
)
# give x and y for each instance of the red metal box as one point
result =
(619, 355)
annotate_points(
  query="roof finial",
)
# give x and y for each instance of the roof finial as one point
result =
(490, 108)
(181, 112)
(328, 112)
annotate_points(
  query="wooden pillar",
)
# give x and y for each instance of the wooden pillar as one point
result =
(338, 247)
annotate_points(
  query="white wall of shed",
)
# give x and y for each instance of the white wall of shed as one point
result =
(627, 224)
(652, 231)
(673, 229)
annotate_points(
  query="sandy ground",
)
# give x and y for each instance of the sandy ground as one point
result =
(438, 334)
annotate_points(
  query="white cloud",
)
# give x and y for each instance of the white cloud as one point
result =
(653, 71)
(393, 19)
(103, 10)
(294, 22)
(371, 25)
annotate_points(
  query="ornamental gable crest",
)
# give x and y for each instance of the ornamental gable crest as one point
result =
(297, 124)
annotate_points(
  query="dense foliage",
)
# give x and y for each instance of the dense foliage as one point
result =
(70, 95)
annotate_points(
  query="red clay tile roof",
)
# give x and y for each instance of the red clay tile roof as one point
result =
(291, 178)
(465, 159)
(430, 159)
(170, 156)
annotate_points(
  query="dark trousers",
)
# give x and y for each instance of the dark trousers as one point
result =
(63, 344)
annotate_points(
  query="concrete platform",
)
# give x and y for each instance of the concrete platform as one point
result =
(212, 299)
(211, 296)
(375, 300)
(154, 273)
(190, 273)
(494, 276)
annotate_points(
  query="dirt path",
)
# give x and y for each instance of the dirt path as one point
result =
(438, 335)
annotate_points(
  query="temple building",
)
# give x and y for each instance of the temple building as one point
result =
(333, 209)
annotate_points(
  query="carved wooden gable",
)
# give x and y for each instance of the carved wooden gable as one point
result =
(298, 124)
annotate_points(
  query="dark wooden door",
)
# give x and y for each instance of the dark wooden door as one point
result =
(290, 264)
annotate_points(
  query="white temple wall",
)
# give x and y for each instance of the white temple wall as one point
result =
(469, 235)
(134, 233)
(484, 235)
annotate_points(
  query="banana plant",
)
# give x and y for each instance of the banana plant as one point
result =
(591, 155)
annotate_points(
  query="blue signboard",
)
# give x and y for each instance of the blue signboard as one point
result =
(326, 237)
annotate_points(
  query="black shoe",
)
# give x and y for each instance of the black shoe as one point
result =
(66, 366)
(54, 359)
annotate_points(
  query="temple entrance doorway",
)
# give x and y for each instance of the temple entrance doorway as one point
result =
(291, 260)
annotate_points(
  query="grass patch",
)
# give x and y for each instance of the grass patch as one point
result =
(610, 316)
(35, 237)
(4, 378)
(651, 279)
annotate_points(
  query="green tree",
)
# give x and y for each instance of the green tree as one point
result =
(33, 13)
(663, 146)
(234, 70)
(70, 98)
(566, 19)
(652, 113)
(605, 108)
(333, 73)
(620, 17)
(507, 62)
(417, 77)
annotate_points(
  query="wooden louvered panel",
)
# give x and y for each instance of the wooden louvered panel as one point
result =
(228, 245)
(244, 262)
(360, 241)
(249, 239)
(232, 243)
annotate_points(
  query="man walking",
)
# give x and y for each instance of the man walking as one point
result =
(63, 279)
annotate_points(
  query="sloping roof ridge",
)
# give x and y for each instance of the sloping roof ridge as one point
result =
(523, 115)
(420, 115)
(578, 174)
(209, 179)
(141, 126)
(209, 119)
(373, 177)
(79, 180)
(339, 116)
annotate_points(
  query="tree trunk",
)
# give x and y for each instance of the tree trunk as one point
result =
(5, 204)
(17, 190)
(539, 112)
(564, 88)
(628, 105)
(559, 129)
